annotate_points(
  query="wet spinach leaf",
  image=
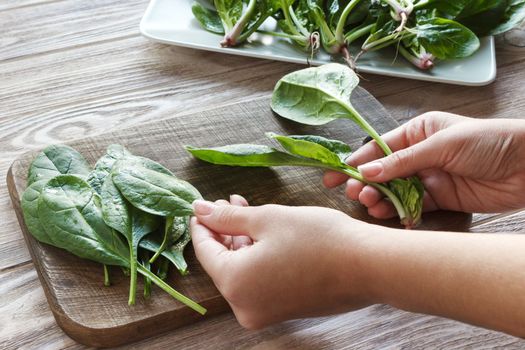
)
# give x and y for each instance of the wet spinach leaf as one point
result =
(154, 192)
(55, 160)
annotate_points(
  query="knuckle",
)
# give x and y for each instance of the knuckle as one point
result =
(226, 215)
(402, 159)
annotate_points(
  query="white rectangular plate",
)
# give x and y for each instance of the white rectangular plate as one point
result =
(172, 22)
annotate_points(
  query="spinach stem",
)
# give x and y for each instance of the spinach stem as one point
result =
(350, 171)
(107, 280)
(133, 274)
(233, 37)
(163, 245)
(339, 30)
(359, 120)
(358, 32)
(167, 288)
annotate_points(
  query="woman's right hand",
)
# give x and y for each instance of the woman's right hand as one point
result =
(466, 164)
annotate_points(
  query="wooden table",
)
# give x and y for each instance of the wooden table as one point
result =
(73, 68)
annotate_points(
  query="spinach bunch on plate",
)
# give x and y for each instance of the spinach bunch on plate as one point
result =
(316, 96)
(421, 30)
(116, 214)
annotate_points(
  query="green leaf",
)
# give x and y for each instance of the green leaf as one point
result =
(179, 237)
(55, 160)
(29, 205)
(154, 192)
(69, 210)
(514, 15)
(132, 223)
(446, 39)
(341, 149)
(104, 165)
(316, 96)
(229, 11)
(410, 193)
(247, 155)
(446, 8)
(304, 147)
(208, 19)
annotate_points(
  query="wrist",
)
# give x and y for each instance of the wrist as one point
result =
(360, 259)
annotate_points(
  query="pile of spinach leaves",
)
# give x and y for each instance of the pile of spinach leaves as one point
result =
(127, 211)
(316, 96)
(421, 30)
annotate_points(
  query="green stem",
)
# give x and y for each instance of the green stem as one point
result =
(382, 188)
(234, 36)
(297, 23)
(252, 29)
(359, 120)
(339, 30)
(107, 280)
(133, 274)
(358, 32)
(166, 287)
(164, 244)
(282, 35)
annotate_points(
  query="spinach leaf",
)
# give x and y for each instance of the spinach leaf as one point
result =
(29, 205)
(129, 221)
(314, 147)
(229, 11)
(319, 152)
(319, 95)
(179, 237)
(514, 15)
(207, 18)
(410, 192)
(247, 155)
(55, 160)
(154, 192)
(70, 213)
(104, 165)
(446, 39)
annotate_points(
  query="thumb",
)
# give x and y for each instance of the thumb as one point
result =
(403, 163)
(223, 219)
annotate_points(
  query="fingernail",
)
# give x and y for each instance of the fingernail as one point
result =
(201, 207)
(371, 169)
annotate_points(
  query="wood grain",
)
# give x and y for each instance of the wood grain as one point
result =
(65, 77)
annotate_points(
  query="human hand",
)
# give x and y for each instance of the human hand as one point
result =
(466, 164)
(304, 261)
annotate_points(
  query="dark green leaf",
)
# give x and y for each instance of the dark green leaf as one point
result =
(104, 165)
(29, 204)
(69, 210)
(514, 15)
(55, 160)
(154, 192)
(179, 237)
(446, 39)
(208, 19)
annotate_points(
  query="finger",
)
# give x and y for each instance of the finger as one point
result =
(395, 139)
(222, 202)
(406, 162)
(224, 219)
(209, 251)
(227, 240)
(382, 210)
(236, 199)
(333, 179)
(239, 241)
(353, 189)
(369, 196)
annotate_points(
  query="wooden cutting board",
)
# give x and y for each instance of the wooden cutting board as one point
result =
(99, 316)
